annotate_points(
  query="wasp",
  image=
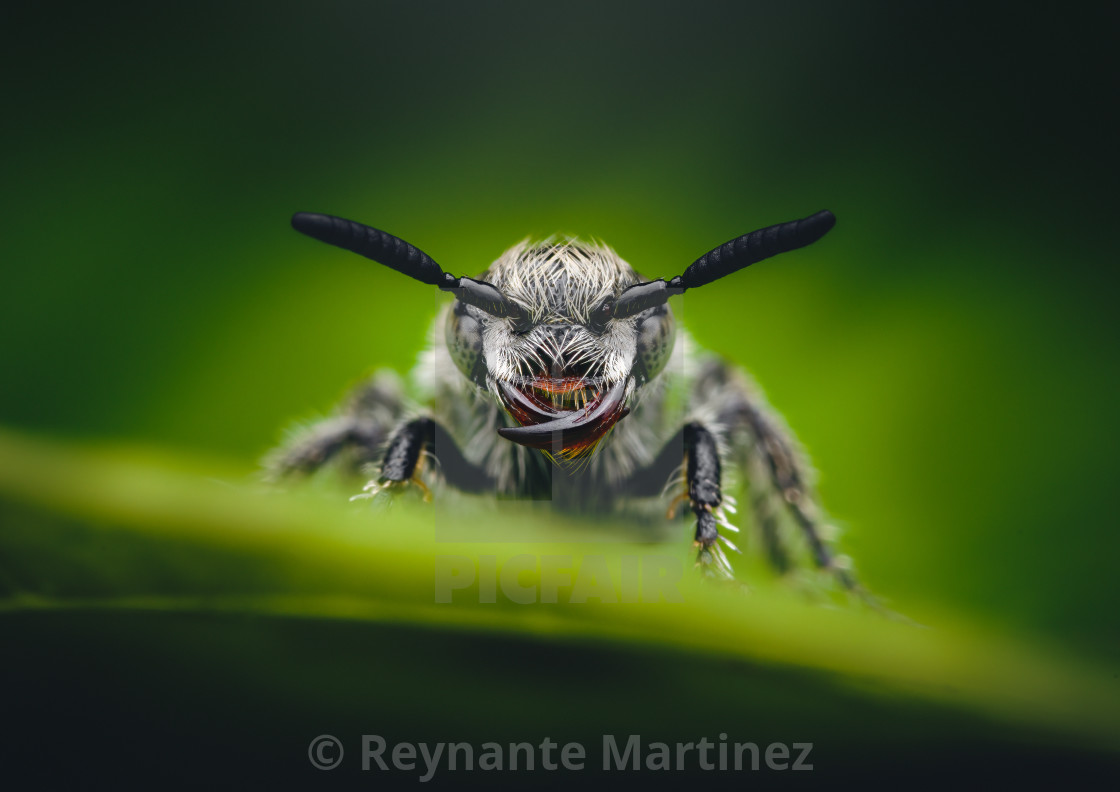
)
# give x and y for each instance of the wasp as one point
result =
(560, 374)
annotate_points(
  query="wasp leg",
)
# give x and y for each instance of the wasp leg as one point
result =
(344, 435)
(783, 469)
(764, 508)
(424, 437)
(779, 475)
(702, 475)
(354, 436)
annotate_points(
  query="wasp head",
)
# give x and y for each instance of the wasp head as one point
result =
(565, 369)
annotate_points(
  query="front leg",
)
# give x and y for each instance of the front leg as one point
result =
(703, 477)
(420, 439)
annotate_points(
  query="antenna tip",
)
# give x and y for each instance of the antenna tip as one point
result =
(310, 223)
(815, 226)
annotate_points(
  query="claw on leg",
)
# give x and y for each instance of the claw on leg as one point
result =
(711, 558)
(713, 562)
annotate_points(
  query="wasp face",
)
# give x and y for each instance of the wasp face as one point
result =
(567, 371)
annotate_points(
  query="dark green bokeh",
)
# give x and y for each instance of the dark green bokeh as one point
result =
(947, 354)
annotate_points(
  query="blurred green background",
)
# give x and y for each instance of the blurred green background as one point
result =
(947, 354)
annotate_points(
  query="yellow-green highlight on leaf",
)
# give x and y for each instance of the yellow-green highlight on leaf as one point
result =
(98, 530)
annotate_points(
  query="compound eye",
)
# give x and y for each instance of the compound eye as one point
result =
(602, 314)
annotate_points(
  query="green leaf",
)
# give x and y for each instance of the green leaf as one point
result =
(148, 600)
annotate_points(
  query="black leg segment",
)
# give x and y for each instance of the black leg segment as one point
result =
(353, 438)
(424, 435)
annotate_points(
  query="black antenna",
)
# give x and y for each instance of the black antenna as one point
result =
(727, 258)
(406, 259)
